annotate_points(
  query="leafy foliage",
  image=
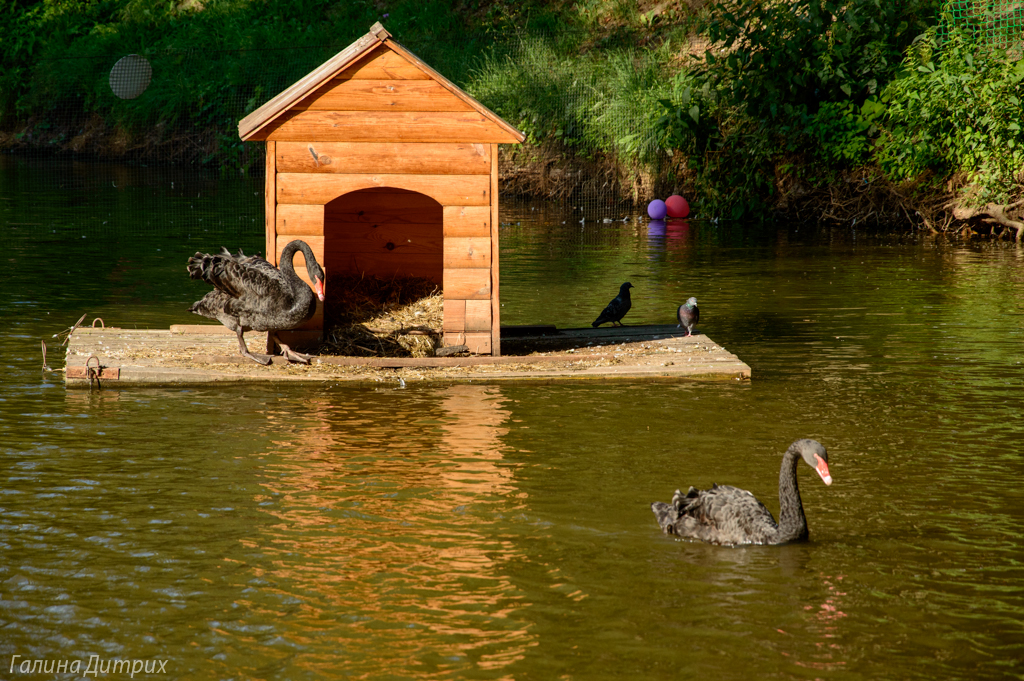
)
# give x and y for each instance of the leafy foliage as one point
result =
(784, 80)
(555, 95)
(956, 108)
(213, 61)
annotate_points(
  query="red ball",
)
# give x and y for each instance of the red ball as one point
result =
(677, 206)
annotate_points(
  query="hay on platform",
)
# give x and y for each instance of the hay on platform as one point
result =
(373, 317)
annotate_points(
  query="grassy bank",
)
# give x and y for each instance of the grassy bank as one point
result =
(567, 74)
(859, 112)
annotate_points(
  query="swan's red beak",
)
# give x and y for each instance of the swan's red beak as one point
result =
(822, 469)
(319, 288)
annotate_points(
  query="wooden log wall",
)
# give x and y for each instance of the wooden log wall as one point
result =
(373, 171)
(386, 233)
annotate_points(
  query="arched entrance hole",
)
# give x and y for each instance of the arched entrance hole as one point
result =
(383, 232)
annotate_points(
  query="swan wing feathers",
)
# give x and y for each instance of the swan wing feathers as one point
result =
(236, 275)
(218, 305)
(720, 515)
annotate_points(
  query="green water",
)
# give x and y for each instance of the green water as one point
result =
(504, 531)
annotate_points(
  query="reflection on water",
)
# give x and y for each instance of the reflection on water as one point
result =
(396, 513)
(475, 531)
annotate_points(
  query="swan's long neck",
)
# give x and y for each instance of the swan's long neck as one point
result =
(792, 521)
(288, 256)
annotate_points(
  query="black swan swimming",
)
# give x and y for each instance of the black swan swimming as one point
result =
(729, 515)
(688, 314)
(617, 309)
(250, 294)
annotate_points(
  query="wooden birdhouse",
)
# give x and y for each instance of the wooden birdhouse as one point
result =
(384, 167)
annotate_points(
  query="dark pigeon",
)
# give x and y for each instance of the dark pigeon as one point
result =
(688, 315)
(616, 309)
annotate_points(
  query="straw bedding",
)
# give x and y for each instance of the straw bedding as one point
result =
(369, 316)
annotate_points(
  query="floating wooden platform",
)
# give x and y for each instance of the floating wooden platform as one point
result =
(195, 354)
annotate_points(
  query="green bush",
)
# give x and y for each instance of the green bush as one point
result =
(786, 84)
(956, 108)
(607, 100)
(213, 61)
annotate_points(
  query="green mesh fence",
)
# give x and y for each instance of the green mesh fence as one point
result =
(999, 22)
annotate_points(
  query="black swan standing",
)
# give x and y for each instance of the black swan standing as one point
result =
(688, 314)
(250, 294)
(617, 309)
(729, 515)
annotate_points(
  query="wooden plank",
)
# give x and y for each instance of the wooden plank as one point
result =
(295, 219)
(366, 58)
(337, 226)
(200, 328)
(467, 251)
(478, 316)
(407, 362)
(301, 340)
(342, 94)
(157, 353)
(385, 232)
(385, 266)
(255, 125)
(467, 221)
(467, 283)
(515, 135)
(418, 257)
(384, 63)
(448, 190)
(103, 373)
(424, 158)
(495, 282)
(478, 343)
(385, 205)
(454, 316)
(379, 237)
(397, 126)
(270, 202)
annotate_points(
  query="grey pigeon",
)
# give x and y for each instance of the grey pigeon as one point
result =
(616, 309)
(688, 315)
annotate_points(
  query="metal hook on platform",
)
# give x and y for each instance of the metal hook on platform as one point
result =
(93, 374)
(100, 320)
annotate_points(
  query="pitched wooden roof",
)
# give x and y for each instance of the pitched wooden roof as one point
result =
(262, 122)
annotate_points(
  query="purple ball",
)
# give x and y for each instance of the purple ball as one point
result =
(657, 210)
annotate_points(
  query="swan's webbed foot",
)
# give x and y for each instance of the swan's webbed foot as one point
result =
(293, 356)
(287, 352)
(244, 350)
(259, 359)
